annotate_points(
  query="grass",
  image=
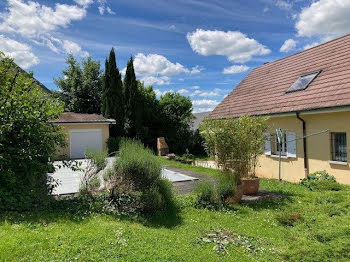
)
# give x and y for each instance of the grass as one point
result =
(198, 169)
(304, 226)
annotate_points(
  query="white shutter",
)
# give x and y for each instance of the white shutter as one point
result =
(291, 144)
(267, 147)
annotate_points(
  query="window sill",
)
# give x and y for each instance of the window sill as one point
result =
(283, 157)
(338, 163)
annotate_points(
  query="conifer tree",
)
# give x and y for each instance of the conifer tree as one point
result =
(113, 100)
(132, 106)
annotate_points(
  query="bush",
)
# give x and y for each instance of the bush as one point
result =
(96, 163)
(113, 144)
(138, 172)
(27, 138)
(321, 181)
(213, 196)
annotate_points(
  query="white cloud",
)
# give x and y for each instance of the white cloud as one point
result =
(32, 19)
(288, 45)
(283, 5)
(204, 105)
(236, 46)
(195, 87)
(324, 18)
(84, 2)
(73, 48)
(266, 9)
(311, 45)
(235, 69)
(161, 93)
(102, 7)
(215, 92)
(196, 70)
(182, 91)
(154, 64)
(153, 80)
(20, 52)
(157, 69)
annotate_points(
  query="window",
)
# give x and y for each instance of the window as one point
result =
(339, 148)
(303, 82)
(277, 147)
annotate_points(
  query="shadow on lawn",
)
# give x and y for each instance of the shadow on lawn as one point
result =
(79, 210)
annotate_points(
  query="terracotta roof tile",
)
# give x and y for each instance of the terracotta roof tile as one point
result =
(263, 91)
(70, 117)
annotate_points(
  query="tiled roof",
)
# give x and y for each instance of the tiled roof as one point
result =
(70, 117)
(263, 91)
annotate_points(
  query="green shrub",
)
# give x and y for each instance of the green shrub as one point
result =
(113, 144)
(138, 170)
(27, 138)
(214, 196)
(320, 181)
(207, 196)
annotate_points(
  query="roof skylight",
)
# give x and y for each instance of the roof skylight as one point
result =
(303, 82)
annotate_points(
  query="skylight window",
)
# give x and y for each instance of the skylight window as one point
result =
(303, 82)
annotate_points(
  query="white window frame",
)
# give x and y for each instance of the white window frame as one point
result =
(276, 151)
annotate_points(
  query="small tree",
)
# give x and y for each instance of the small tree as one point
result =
(236, 143)
(28, 141)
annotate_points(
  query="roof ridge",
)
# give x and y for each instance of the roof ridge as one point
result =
(306, 50)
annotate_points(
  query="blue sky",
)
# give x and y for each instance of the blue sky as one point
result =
(201, 49)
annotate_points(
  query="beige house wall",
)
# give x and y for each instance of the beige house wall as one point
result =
(318, 147)
(67, 127)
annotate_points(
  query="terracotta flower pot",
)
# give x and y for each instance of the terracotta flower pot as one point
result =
(250, 185)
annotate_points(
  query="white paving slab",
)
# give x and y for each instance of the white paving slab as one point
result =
(70, 181)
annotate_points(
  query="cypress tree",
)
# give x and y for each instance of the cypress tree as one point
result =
(113, 95)
(132, 106)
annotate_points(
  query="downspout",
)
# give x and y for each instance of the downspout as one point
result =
(306, 166)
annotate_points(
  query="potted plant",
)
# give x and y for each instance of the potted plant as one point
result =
(236, 144)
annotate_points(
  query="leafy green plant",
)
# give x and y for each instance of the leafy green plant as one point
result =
(320, 180)
(236, 143)
(96, 162)
(113, 144)
(138, 171)
(28, 141)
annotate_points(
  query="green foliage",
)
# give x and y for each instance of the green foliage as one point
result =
(176, 113)
(112, 95)
(236, 143)
(96, 162)
(320, 180)
(113, 144)
(80, 88)
(138, 170)
(215, 196)
(133, 108)
(27, 139)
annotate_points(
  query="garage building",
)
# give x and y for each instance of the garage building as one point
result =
(84, 131)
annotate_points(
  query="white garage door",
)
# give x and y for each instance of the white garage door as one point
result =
(83, 139)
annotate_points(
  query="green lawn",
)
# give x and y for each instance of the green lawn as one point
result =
(322, 232)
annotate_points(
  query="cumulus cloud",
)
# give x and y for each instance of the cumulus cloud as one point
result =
(182, 91)
(324, 18)
(20, 52)
(39, 23)
(154, 80)
(236, 46)
(161, 93)
(74, 48)
(311, 45)
(235, 69)
(156, 69)
(288, 45)
(32, 19)
(154, 64)
(204, 105)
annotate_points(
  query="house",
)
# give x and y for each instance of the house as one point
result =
(198, 119)
(307, 95)
(84, 131)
